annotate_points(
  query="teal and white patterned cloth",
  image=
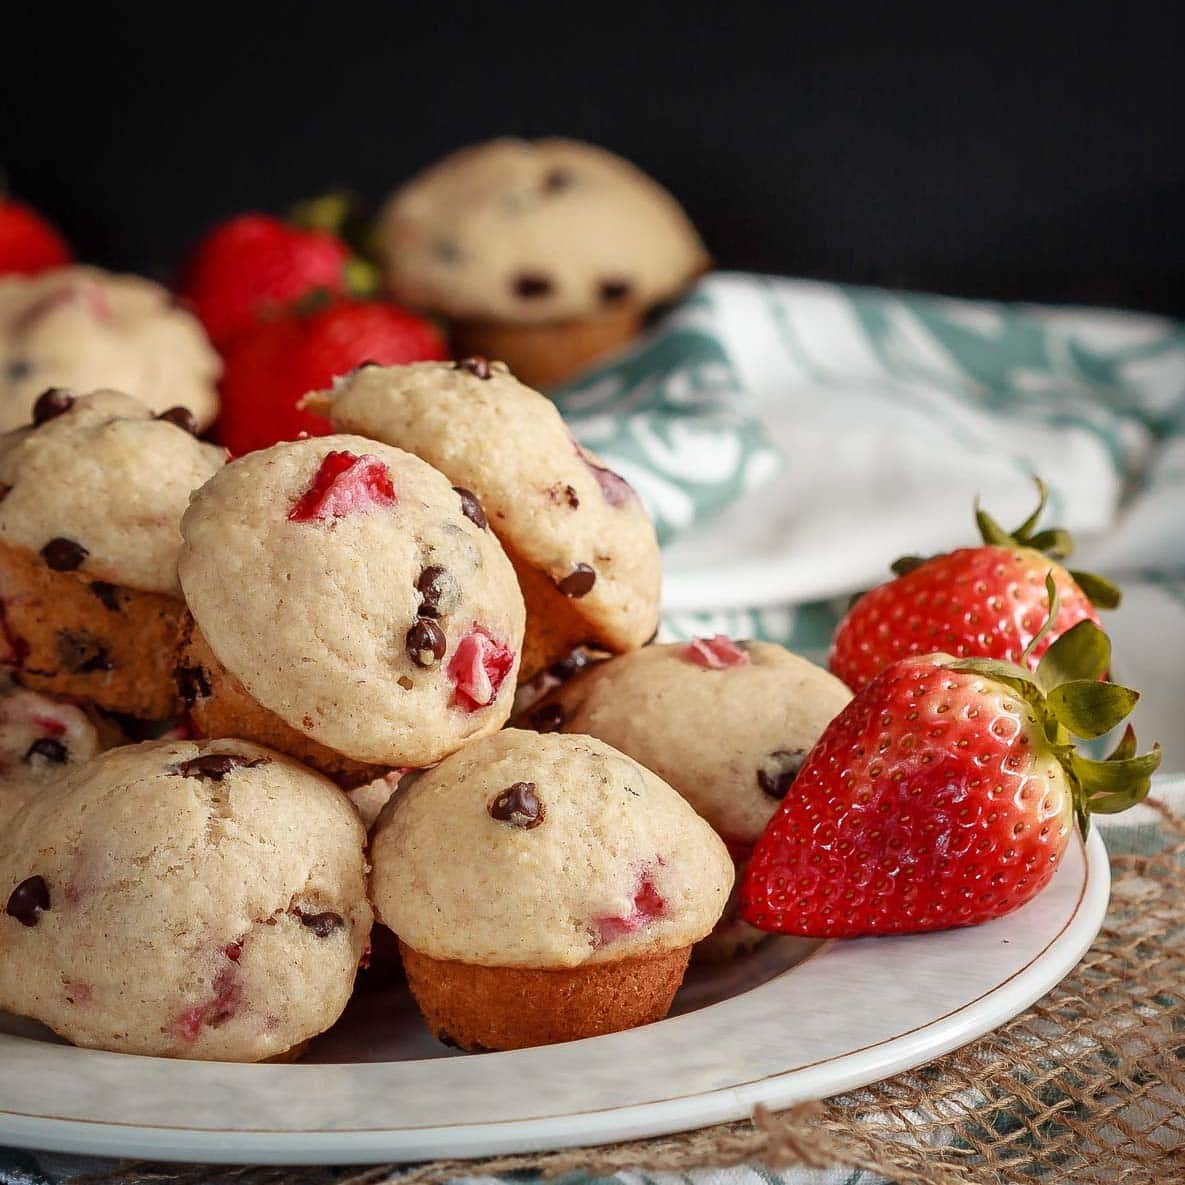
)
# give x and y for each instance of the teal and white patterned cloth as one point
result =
(793, 438)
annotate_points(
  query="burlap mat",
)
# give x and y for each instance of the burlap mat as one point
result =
(1087, 1086)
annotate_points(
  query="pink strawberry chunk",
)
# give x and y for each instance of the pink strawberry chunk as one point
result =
(614, 488)
(648, 905)
(478, 668)
(221, 1006)
(715, 653)
(345, 484)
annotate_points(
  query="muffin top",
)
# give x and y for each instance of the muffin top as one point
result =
(81, 328)
(544, 851)
(99, 485)
(343, 582)
(190, 899)
(728, 725)
(537, 231)
(556, 509)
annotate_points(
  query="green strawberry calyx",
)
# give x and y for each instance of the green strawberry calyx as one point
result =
(1054, 542)
(1071, 699)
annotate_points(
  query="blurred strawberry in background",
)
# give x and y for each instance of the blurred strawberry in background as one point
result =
(271, 365)
(28, 243)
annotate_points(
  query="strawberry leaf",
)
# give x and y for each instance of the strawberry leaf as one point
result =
(1089, 709)
(1057, 543)
(907, 563)
(991, 530)
(1053, 603)
(1126, 747)
(1082, 652)
(1100, 592)
(1112, 786)
(1024, 533)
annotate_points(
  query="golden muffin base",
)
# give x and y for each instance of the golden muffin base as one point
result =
(548, 354)
(220, 706)
(483, 1009)
(73, 635)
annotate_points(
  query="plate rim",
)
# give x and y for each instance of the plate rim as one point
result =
(822, 1078)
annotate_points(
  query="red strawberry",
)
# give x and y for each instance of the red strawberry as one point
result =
(944, 794)
(344, 483)
(478, 669)
(28, 243)
(715, 653)
(986, 601)
(254, 263)
(272, 365)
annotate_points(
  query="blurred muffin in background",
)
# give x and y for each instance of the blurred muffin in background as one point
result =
(547, 253)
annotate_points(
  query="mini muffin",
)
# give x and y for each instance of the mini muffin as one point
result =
(543, 889)
(41, 739)
(81, 328)
(93, 493)
(347, 608)
(183, 900)
(580, 540)
(728, 725)
(547, 253)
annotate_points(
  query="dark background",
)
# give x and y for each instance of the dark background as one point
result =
(1028, 151)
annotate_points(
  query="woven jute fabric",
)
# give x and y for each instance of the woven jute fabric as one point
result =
(1086, 1087)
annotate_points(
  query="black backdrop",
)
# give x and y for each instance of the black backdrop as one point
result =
(1031, 151)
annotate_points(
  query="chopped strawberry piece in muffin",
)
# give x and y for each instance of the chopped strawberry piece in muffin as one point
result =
(344, 484)
(478, 668)
(648, 905)
(221, 1006)
(715, 653)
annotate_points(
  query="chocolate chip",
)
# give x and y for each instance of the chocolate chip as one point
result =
(214, 767)
(578, 583)
(182, 417)
(438, 591)
(471, 507)
(615, 291)
(82, 654)
(517, 805)
(321, 924)
(547, 718)
(425, 643)
(477, 366)
(28, 901)
(108, 594)
(777, 772)
(64, 555)
(572, 665)
(48, 749)
(18, 369)
(557, 181)
(192, 684)
(51, 404)
(531, 285)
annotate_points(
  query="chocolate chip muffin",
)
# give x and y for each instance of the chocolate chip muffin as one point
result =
(727, 724)
(580, 540)
(81, 328)
(348, 607)
(548, 254)
(544, 889)
(184, 900)
(93, 493)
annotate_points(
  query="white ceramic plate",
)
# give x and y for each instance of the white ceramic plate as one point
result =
(796, 1020)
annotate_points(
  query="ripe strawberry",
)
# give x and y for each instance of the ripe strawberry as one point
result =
(944, 794)
(271, 366)
(344, 484)
(28, 243)
(987, 601)
(254, 263)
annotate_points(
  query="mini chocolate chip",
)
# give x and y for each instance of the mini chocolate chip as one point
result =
(64, 555)
(471, 507)
(777, 772)
(18, 369)
(558, 180)
(51, 404)
(530, 285)
(438, 591)
(615, 291)
(517, 805)
(47, 748)
(476, 365)
(28, 901)
(578, 583)
(82, 654)
(108, 594)
(547, 718)
(192, 684)
(425, 643)
(215, 766)
(182, 417)
(321, 924)
(572, 665)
